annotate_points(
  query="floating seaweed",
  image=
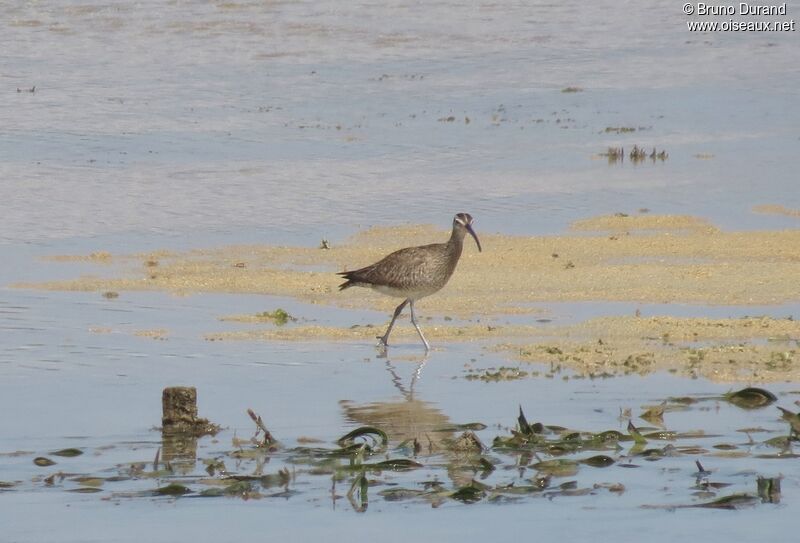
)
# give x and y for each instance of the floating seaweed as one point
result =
(68, 453)
(530, 460)
(279, 316)
(750, 398)
(637, 155)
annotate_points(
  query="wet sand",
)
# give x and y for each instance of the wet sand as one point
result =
(642, 258)
(747, 349)
(775, 209)
(758, 349)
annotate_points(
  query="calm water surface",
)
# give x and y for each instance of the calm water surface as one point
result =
(311, 116)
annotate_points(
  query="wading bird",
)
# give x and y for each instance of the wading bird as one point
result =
(414, 272)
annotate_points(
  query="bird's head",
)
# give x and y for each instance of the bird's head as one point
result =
(463, 221)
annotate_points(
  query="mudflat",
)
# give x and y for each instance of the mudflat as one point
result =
(639, 258)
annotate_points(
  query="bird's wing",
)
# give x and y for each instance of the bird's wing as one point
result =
(399, 269)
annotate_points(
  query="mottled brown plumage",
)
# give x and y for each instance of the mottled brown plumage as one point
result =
(414, 272)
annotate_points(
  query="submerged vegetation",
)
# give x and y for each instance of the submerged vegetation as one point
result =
(525, 461)
(279, 316)
(636, 155)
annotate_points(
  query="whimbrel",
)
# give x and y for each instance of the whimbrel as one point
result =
(414, 272)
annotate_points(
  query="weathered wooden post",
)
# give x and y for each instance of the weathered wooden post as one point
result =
(180, 427)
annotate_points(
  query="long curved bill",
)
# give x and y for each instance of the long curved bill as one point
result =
(474, 235)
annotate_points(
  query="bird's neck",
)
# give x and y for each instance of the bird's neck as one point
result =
(456, 243)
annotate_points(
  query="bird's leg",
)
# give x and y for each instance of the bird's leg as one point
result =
(414, 322)
(384, 339)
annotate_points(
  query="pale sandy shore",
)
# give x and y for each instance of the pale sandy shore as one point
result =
(643, 258)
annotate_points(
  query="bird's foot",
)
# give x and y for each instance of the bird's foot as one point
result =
(382, 347)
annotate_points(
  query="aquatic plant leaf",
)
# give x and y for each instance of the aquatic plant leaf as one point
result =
(779, 442)
(708, 484)
(41, 461)
(89, 481)
(85, 490)
(561, 447)
(704, 494)
(754, 430)
(486, 466)
(769, 489)
(467, 442)
(505, 442)
(518, 489)
(694, 434)
(238, 488)
(655, 454)
(750, 398)
(701, 471)
(460, 427)
(647, 429)
(280, 316)
(356, 451)
(172, 489)
(663, 436)
(376, 434)
(397, 464)
(400, 494)
(638, 438)
(734, 501)
(541, 481)
(636, 449)
(517, 441)
(212, 493)
(360, 486)
(609, 436)
(731, 454)
(248, 453)
(7, 484)
(792, 418)
(68, 453)
(694, 450)
(731, 502)
(682, 400)
(524, 428)
(558, 467)
(778, 456)
(360, 453)
(598, 461)
(469, 494)
(654, 414)
(572, 492)
(471, 426)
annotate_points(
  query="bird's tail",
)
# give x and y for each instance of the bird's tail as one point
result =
(347, 284)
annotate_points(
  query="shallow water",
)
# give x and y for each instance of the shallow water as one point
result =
(309, 117)
(172, 125)
(100, 392)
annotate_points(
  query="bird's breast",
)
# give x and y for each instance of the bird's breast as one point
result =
(408, 292)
